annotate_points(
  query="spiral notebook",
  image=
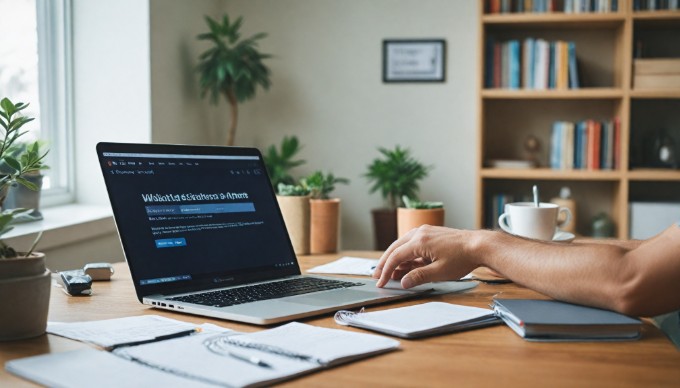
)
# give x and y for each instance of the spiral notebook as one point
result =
(420, 320)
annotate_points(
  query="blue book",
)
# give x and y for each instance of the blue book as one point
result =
(577, 146)
(551, 320)
(551, 66)
(514, 48)
(573, 66)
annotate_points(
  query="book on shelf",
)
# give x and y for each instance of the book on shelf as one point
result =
(531, 64)
(585, 145)
(548, 6)
(655, 5)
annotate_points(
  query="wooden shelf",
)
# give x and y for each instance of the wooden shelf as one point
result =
(654, 175)
(600, 20)
(565, 94)
(655, 93)
(550, 174)
(605, 44)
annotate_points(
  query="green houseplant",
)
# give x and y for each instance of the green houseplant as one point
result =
(395, 174)
(280, 161)
(20, 196)
(232, 68)
(324, 212)
(20, 273)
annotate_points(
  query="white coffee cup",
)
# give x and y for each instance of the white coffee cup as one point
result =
(526, 220)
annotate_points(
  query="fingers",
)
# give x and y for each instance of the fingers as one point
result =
(396, 244)
(404, 253)
(422, 275)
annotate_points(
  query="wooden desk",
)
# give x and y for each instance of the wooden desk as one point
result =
(482, 357)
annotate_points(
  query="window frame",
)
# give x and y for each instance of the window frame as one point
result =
(55, 83)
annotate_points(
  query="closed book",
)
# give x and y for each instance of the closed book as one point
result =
(573, 67)
(656, 81)
(549, 320)
(420, 320)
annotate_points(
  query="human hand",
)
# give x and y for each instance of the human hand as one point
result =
(427, 254)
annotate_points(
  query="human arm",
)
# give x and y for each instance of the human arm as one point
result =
(634, 278)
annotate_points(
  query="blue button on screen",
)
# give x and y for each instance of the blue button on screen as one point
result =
(171, 242)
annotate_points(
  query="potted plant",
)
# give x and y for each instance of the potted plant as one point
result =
(20, 196)
(232, 67)
(417, 213)
(23, 275)
(324, 212)
(395, 175)
(293, 198)
(279, 161)
(295, 209)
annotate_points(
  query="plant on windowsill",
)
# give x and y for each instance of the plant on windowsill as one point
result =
(324, 212)
(417, 213)
(395, 175)
(20, 196)
(232, 67)
(21, 273)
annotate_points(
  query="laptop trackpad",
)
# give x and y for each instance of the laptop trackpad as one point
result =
(335, 297)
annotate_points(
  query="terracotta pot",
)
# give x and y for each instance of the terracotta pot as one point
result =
(408, 219)
(25, 297)
(295, 211)
(325, 225)
(384, 228)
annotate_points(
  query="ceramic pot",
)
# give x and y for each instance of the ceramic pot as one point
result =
(25, 286)
(19, 196)
(408, 219)
(384, 228)
(295, 211)
(325, 225)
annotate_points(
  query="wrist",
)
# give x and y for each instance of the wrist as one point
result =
(477, 246)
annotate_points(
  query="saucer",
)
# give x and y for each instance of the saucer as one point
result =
(562, 236)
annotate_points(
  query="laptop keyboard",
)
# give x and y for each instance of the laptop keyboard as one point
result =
(264, 291)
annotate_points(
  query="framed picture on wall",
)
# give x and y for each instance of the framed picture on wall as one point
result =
(414, 60)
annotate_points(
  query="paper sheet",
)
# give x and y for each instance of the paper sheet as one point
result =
(348, 266)
(111, 332)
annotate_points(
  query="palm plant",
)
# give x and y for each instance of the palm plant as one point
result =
(232, 68)
(396, 175)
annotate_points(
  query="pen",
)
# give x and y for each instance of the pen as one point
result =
(155, 339)
(250, 359)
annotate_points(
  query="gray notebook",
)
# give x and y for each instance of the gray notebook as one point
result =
(549, 320)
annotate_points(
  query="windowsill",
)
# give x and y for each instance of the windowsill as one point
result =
(63, 225)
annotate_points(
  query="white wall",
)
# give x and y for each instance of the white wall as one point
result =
(328, 90)
(179, 115)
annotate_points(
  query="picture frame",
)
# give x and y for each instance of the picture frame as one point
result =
(414, 60)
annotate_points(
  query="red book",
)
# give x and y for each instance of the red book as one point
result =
(597, 138)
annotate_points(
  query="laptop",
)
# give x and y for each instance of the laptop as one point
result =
(203, 234)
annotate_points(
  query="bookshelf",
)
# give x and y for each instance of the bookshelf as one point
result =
(606, 44)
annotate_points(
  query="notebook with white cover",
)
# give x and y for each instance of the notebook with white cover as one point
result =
(289, 350)
(420, 320)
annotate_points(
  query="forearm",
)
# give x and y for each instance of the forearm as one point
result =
(592, 274)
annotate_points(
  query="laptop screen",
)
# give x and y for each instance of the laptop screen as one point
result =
(193, 217)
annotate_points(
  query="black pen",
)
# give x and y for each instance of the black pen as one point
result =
(250, 359)
(156, 339)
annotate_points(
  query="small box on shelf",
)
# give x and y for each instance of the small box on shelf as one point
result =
(659, 73)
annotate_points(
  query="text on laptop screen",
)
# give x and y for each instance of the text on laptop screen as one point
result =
(196, 219)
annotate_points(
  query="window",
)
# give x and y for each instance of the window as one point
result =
(35, 68)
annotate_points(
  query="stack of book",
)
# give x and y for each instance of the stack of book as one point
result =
(567, 6)
(655, 5)
(585, 145)
(531, 64)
